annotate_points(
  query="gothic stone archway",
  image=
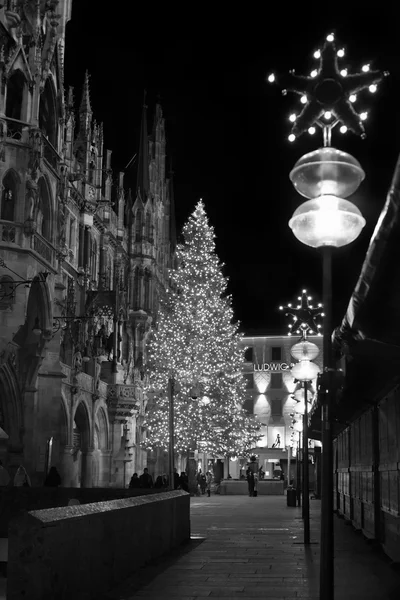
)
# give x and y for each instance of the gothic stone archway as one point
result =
(81, 447)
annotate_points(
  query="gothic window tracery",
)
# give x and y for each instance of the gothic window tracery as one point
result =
(93, 260)
(148, 226)
(139, 225)
(43, 212)
(47, 114)
(15, 95)
(147, 296)
(9, 196)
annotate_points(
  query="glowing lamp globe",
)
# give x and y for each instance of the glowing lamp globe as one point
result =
(301, 407)
(305, 370)
(327, 171)
(304, 351)
(327, 221)
(298, 426)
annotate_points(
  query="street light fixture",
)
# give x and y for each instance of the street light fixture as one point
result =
(327, 220)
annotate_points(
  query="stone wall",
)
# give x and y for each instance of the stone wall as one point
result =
(13, 500)
(82, 551)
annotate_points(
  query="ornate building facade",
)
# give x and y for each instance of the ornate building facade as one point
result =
(82, 265)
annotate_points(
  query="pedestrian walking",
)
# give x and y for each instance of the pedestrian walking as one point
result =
(4, 476)
(255, 489)
(208, 483)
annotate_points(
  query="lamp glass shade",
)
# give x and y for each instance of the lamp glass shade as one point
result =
(327, 171)
(327, 221)
(305, 370)
(299, 395)
(304, 351)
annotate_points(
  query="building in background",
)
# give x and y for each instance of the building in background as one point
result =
(95, 258)
(269, 389)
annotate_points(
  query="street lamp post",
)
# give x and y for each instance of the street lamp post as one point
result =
(305, 371)
(327, 220)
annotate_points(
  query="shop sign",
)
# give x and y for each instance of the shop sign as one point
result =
(273, 367)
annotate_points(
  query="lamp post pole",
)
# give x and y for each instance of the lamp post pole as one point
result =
(171, 385)
(306, 495)
(326, 564)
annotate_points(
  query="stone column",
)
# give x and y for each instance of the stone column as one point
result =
(67, 467)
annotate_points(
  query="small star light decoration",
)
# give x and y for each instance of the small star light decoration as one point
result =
(328, 93)
(305, 316)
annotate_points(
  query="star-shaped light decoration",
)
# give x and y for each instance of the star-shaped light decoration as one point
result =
(305, 316)
(328, 93)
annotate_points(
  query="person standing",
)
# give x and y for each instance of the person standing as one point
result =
(146, 480)
(203, 483)
(134, 482)
(250, 481)
(176, 479)
(4, 476)
(208, 483)
(53, 478)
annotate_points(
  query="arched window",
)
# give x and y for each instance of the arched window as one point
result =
(43, 212)
(139, 225)
(93, 260)
(9, 196)
(15, 95)
(147, 279)
(137, 289)
(148, 226)
(47, 113)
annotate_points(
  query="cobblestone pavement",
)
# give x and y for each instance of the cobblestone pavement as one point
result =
(252, 548)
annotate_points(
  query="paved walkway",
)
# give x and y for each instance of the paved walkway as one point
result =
(253, 549)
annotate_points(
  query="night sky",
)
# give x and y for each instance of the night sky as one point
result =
(227, 127)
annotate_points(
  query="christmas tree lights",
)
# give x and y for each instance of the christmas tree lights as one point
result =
(197, 343)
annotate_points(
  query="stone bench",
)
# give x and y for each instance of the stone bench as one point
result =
(82, 551)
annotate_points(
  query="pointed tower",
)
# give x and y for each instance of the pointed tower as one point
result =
(85, 109)
(143, 179)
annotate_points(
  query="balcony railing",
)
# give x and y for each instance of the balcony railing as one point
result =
(43, 248)
(15, 129)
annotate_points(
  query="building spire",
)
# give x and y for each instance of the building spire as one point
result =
(143, 179)
(85, 110)
(85, 106)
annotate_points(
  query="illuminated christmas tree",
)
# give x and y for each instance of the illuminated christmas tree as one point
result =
(197, 343)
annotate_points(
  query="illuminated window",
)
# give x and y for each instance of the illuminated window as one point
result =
(276, 381)
(276, 353)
